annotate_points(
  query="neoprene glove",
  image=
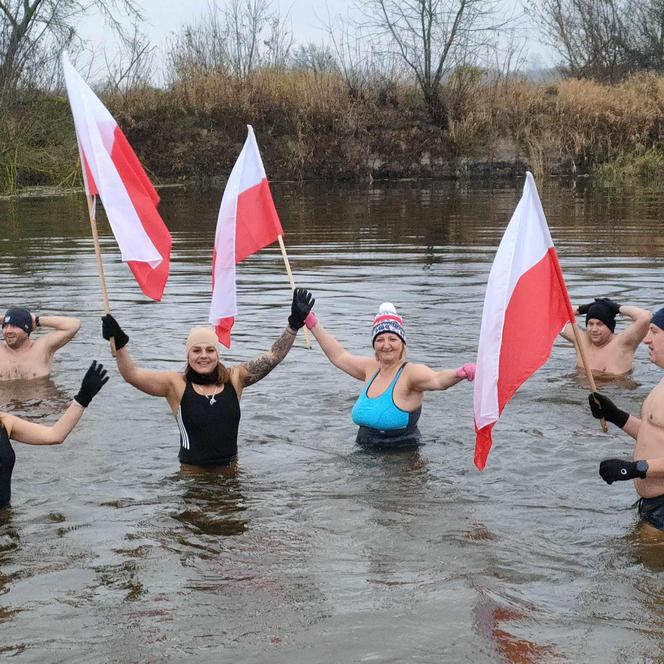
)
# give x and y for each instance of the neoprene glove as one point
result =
(607, 409)
(614, 306)
(617, 470)
(583, 308)
(302, 303)
(95, 378)
(110, 328)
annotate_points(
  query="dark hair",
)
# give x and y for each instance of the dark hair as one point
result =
(223, 374)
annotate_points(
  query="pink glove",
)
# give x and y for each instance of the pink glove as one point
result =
(466, 371)
(311, 320)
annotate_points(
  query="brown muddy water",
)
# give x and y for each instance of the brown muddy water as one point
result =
(317, 551)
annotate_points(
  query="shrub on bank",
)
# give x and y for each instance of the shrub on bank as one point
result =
(315, 126)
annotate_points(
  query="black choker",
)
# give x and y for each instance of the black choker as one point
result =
(202, 379)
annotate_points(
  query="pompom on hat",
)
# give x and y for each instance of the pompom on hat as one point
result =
(387, 320)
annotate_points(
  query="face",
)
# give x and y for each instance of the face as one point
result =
(598, 333)
(655, 342)
(203, 358)
(14, 336)
(388, 346)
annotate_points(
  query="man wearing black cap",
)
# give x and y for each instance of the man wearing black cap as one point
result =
(609, 353)
(22, 357)
(647, 468)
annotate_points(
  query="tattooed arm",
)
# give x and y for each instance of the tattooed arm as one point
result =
(252, 371)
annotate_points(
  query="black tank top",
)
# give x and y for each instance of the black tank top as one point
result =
(7, 459)
(208, 427)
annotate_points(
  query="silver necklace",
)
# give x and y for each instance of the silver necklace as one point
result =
(211, 397)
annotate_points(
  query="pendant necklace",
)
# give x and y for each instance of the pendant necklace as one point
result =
(211, 398)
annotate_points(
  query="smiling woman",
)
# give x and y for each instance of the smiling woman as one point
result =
(205, 398)
(390, 404)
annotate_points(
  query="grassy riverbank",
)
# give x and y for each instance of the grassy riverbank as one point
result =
(312, 126)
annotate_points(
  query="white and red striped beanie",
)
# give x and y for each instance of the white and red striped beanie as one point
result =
(387, 320)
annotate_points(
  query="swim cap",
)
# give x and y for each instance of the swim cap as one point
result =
(19, 317)
(658, 319)
(601, 312)
(387, 320)
(203, 336)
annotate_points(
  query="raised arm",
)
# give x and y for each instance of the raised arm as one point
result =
(567, 332)
(254, 370)
(635, 333)
(23, 431)
(422, 378)
(155, 383)
(354, 365)
(65, 328)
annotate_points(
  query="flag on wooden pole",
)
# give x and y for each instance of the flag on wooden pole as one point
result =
(525, 308)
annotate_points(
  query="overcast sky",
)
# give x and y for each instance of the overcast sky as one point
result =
(164, 18)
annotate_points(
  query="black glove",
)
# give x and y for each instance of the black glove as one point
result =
(95, 378)
(303, 301)
(607, 409)
(110, 328)
(617, 470)
(583, 308)
(614, 306)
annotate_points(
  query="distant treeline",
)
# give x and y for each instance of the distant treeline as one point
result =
(397, 96)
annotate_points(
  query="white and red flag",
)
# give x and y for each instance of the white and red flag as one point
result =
(112, 171)
(525, 308)
(247, 222)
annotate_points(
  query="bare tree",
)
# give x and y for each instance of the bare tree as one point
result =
(132, 68)
(433, 37)
(33, 33)
(234, 39)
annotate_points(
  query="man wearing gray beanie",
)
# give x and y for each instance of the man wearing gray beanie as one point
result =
(22, 357)
(608, 353)
(647, 468)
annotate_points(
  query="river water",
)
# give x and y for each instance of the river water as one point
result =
(317, 551)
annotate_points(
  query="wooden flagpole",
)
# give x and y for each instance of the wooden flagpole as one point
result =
(586, 367)
(307, 341)
(100, 263)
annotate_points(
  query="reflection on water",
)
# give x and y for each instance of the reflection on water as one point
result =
(110, 552)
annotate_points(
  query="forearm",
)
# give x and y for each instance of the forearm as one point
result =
(261, 366)
(632, 426)
(63, 323)
(446, 378)
(126, 366)
(635, 313)
(39, 434)
(329, 345)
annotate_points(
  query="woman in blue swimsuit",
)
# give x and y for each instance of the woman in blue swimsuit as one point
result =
(390, 403)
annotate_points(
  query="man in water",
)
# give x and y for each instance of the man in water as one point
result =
(22, 357)
(609, 353)
(647, 469)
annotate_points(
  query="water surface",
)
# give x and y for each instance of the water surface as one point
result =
(317, 551)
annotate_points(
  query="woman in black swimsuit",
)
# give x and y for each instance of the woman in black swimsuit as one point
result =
(22, 431)
(205, 399)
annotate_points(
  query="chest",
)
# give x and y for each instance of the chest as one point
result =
(653, 408)
(15, 366)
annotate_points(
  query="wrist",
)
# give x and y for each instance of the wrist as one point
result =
(641, 467)
(311, 320)
(290, 330)
(78, 403)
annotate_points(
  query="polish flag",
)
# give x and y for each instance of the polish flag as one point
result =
(112, 171)
(247, 222)
(525, 307)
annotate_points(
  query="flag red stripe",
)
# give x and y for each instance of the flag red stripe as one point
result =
(151, 280)
(536, 313)
(257, 222)
(92, 187)
(223, 329)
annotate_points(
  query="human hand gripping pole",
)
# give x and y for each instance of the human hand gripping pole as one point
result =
(302, 303)
(95, 378)
(110, 329)
(602, 407)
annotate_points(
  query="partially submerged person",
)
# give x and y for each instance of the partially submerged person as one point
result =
(22, 357)
(22, 431)
(205, 397)
(390, 403)
(608, 353)
(647, 468)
